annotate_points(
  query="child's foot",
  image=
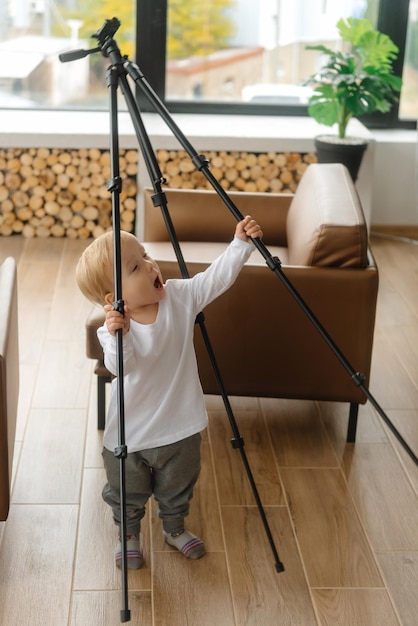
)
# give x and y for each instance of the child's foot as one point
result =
(134, 557)
(186, 543)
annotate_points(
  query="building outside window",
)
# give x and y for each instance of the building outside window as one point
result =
(257, 54)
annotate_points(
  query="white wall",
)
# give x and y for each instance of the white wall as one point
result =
(387, 180)
(395, 178)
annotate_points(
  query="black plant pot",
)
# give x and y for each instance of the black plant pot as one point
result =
(349, 151)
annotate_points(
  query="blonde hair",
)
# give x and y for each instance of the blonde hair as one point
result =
(94, 271)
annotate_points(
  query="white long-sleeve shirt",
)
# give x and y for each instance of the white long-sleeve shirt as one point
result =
(163, 397)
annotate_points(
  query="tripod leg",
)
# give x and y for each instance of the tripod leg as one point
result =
(114, 186)
(238, 442)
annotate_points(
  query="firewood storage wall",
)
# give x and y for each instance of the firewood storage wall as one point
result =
(53, 192)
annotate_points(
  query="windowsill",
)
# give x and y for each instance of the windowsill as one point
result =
(91, 129)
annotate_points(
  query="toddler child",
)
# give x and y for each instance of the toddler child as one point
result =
(163, 399)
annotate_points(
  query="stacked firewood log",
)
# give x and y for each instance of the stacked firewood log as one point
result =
(237, 171)
(63, 193)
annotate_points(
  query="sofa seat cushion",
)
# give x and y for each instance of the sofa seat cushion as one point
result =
(204, 252)
(325, 223)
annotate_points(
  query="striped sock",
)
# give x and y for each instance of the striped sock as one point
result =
(188, 544)
(134, 557)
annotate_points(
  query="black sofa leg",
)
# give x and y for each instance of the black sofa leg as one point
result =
(352, 423)
(101, 401)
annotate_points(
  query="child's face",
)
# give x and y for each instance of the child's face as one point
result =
(142, 284)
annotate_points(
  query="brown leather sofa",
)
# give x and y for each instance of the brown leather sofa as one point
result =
(9, 378)
(264, 343)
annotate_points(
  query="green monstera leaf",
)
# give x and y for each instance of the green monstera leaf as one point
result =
(356, 82)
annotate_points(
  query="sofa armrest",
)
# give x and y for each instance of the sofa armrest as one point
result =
(325, 223)
(9, 378)
(287, 356)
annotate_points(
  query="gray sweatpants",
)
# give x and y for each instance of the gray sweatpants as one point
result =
(169, 473)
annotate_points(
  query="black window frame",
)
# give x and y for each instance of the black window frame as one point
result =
(151, 25)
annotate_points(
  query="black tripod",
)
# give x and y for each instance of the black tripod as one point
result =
(118, 72)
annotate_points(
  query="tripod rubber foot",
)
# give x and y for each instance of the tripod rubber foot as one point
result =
(279, 567)
(125, 615)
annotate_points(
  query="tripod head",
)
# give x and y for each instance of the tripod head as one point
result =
(107, 31)
(105, 38)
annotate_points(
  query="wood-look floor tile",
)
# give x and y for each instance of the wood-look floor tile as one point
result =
(298, 435)
(233, 484)
(103, 608)
(334, 547)
(354, 607)
(27, 381)
(191, 592)
(63, 316)
(36, 286)
(399, 261)
(36, 564)
(94, 437)
(400, 571)
(51, 458)
(260, 594)
(404, 340)
(406, 423)
(384, 497)
(71, 384)
(392, 309)
(16, 459)
(335, 418)
(390, 382)
(213, 403)
(238, 403)
(12, 246)
(33, 328)
(95, 567)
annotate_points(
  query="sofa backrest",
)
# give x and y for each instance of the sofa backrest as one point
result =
(200, 215)
(325, 224)
(322, 224)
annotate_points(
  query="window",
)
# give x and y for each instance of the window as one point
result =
(257, 49)
(408, 107)
(235, 56)
(268, 41)
(33, 33)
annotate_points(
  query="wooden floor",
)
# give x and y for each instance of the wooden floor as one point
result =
(344, 518)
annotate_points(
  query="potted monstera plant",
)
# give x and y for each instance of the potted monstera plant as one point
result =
(351, 83)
